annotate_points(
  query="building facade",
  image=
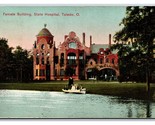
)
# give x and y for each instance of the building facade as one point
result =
(72, 58)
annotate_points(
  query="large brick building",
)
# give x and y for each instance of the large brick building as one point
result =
(72, 57)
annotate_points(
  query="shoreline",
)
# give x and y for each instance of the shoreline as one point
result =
(121, 90)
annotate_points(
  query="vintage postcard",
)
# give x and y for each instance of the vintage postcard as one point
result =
(77, 62)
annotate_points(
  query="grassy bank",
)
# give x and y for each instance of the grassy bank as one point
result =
(124, 90)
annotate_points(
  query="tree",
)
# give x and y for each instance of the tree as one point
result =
(15, 66)
(135, 43)
(5, 59)
(23, 64)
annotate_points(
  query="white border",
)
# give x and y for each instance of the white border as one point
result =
(66, 2)
(76, 3)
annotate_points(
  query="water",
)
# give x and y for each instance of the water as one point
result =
(37, 104)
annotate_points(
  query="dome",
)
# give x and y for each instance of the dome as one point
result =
(45, 32)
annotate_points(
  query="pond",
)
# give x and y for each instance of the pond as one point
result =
(42, 104)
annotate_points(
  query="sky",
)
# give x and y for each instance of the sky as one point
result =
(98, 21)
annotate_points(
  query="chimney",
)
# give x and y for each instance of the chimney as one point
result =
(90, 40)
(83, 38)
(109, 40)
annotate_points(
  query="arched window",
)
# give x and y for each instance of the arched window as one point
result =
(71, 58)
(91, 63)
(107, 60)
(42, 61)
(42, 46)
(72, 45)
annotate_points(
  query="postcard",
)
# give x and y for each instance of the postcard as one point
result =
(77, 62)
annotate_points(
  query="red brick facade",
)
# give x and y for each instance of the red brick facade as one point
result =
(71, 57)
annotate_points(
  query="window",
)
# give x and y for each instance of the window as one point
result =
(42, 46)
(37, 54)
(101, 60)
(37, 60)
(113, 61)
(36, 72)
(48, 54)
(62, 72)
(42, 72)
(71, 58)
(62, 59)
(72, 45)
(55, 72)
(80, 57)
(56, 59)
(42, 61)
(107, 60)
(81, 60)
(48, 62)
(91, 63)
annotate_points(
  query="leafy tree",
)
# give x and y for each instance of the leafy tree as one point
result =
(15, 66)
(23, 65)
(5, 59)
(134, 42)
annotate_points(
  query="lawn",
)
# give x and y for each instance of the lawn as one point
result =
(123, 90)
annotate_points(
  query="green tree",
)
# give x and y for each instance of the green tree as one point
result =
(15, 65)
(23, 65)
(5, 59)
(134, 42)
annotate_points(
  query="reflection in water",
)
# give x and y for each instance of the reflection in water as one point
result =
(129, 111)
(36, 104)
(142, 109)
(148, 109)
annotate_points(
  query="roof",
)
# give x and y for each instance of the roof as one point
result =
(45, 32)
(96, 47)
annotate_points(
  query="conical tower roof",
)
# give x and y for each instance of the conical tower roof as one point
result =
(45, 32)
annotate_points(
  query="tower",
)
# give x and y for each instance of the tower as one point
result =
(43, 56)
